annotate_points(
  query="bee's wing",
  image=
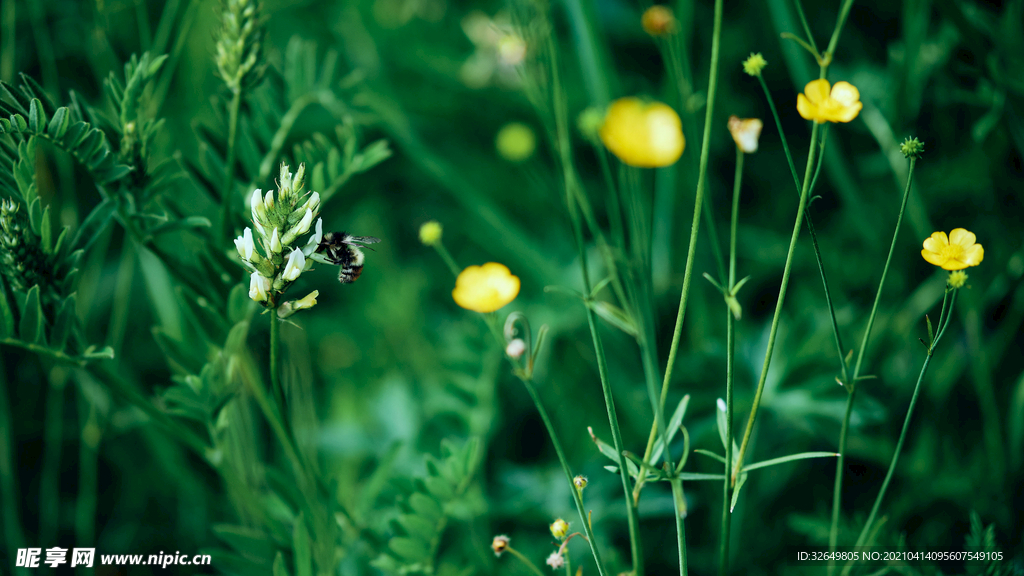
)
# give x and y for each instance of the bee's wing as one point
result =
(362, 240)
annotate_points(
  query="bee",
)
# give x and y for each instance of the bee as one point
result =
(343, 249)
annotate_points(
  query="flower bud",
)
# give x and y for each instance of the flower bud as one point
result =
(293, 268)
(293, 306)
(244, 245)
(559, 528)
(259, 287)
(754, 64)
(658, 20)
(515, 349)
(259, 210)
(957, 279)
(430, 233)
(275, 242)
(300, 228)
(499, 544)
(580, 482)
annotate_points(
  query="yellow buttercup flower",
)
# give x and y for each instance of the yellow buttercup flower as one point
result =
(822, 102)
(956, 252)
(745, 132)
(485, 288)
(643, 134)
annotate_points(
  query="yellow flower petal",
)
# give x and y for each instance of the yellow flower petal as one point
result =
(807, 109)
(974, 255)
(846, 113)
(962, 237)
(845, 93)
(938, 241)
(951, 264)
(817, 90)
(485, 288)
(933, 257)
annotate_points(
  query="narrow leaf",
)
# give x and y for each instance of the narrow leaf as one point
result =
(721, 419)
(790, 458)
(36, 116)
(673, 427)
(300, 545)
(710, 454)
(58, 124)
(6, 314)
(614, 315)
(32, 328)
(279, 568)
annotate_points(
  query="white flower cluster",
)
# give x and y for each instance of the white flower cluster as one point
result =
(279, 221)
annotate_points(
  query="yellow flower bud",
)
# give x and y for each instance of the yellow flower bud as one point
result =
(559, 528)
(515, 142)
(430, 232)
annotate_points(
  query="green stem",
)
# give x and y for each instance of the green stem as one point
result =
(88, 454)
(730, 357)
(447, 257)
(840, 21)
(803, 22)
(694, 228)
(810, 229)
(524, 560)
(275, 368)
(568, 474)
(44, 47)
(838, 487)
(903, 433)
(779, 304)
(227, 196)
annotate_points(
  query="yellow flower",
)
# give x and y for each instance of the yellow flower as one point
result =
(559, 528)
(430, 232)
(745, 133)
(485, 288)
(954, 253)
(957, 279)
(515, 142)
(643, 134)
(658, 20)
(822, 102)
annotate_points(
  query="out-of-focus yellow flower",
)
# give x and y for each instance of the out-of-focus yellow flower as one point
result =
(956, 252)
(515, 142)
(430, 232)
(559, 528)
(643, 134)
(485, 288)
(745, 133)
(754, 64)
(823, 102)
(658, 20)
(589, 123)
(957, 279)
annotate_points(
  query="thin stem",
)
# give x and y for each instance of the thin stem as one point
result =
(568, 474)
(730, 357)
(843, 13)
(803, 21)
(275, 375)
(903, 433)
(227, 196)
(838, 487)
(779, 304)
(694, 227)
(447, 257)
(810, 229)
(88, 453)
(524, 560)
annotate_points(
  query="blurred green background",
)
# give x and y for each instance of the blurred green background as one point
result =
(393, 366)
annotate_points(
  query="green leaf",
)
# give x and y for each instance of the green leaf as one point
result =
(64, 325)
(614, 315)
(301, 547)
(696, 476)
(32, 327)
(187, 223)
(18, 122)
(721, 420)
(94, 224)
(605, 449)
(46, 232)
(790, 458)
(736, 492)
(710, 454)
(92, 353)
(279, 567)
(416, 526)
(247, 541)
(59, 123)
(425, 506)
(409, 549)
(115, 173)
(439, 488)
(36, 116)
(673, 427)
(931, 333)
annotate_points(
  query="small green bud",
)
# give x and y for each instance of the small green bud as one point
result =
(754, 64)
(912, 148)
